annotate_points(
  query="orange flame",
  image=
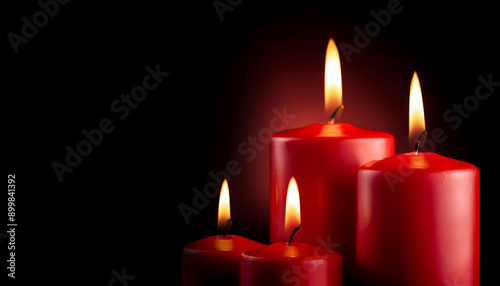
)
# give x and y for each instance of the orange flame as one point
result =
(416, 114)
(333, 79)
(224, 206)
(292, 208)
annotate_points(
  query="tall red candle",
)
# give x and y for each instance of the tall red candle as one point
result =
(325, 158)
(291, 263)
(215, 260)
(418, 219)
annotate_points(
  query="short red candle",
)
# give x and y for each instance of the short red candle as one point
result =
(294, 264)
(324, 158)
(214, 260)
(418, 221)
(291, 262)
(418, 215)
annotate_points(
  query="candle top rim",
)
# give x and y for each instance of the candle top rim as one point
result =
(329, 130)
(295, 250)
(218, 242)
(422, 160)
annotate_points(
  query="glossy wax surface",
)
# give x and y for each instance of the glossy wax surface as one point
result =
(324, 159)
(418, 221)
(214, 260)
(295, 264)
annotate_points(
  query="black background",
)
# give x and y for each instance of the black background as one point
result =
(120, 206)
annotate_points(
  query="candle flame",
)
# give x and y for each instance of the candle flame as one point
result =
(292, 207)
(416, 114)
(333, 79)
(224, 206)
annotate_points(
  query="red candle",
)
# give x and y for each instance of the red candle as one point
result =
(418, 217)
(291, 263)
(326, 158)
(215, 260)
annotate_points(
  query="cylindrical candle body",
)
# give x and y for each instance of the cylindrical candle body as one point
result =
(214, 260)
(324, 159)
(295, 264)
(418, 221)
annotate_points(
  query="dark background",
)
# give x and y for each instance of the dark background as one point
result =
(120, 206)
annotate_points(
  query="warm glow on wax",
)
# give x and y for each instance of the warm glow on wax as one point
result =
(333, 79)
(417, 119)
(292, 208)
(224, 206)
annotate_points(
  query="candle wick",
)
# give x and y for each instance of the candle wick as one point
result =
(227, 226)
(332, 118)
(420, 141)
(293, 234)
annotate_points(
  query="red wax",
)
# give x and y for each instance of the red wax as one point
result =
(294, 264)
(214, 260)
(418, 221)
(324, 159)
